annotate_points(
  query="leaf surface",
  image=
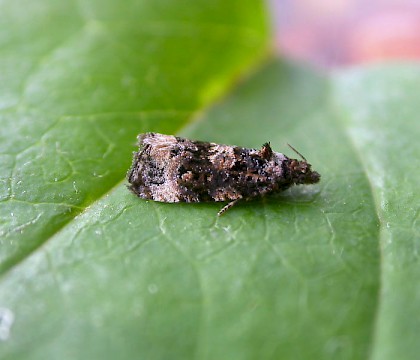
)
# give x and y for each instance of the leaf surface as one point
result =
(327, 271)
(81, 79)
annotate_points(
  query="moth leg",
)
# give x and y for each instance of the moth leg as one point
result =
(228, 206)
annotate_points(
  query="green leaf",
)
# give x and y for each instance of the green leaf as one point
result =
(327, 271)
(379, 108)
(80, 79)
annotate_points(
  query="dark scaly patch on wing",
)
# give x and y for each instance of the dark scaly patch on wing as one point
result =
(254, 175)
(194, 173)
(199, 178)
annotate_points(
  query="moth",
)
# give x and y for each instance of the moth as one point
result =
(172, 169)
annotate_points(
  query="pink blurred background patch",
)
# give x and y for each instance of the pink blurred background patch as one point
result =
(333, 33)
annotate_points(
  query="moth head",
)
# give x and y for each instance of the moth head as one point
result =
(301, 170)
(302, 173)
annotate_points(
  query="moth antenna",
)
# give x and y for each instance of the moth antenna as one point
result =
(297, 152)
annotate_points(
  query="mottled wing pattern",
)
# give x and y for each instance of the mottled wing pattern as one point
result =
(173, 169)
(222, 173)
(152, 175)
